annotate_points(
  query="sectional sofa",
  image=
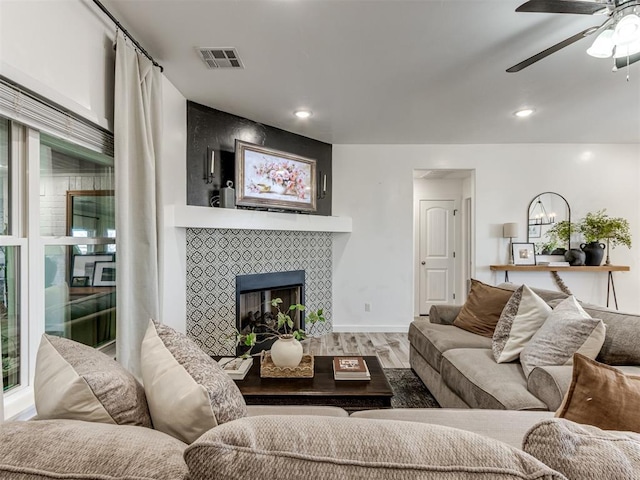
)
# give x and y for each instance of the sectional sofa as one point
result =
(189, 422)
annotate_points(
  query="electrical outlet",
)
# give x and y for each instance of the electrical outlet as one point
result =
(367, 307)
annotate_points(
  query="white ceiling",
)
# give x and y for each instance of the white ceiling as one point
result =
(392, 71)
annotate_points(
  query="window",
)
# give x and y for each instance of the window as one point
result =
(61, 225)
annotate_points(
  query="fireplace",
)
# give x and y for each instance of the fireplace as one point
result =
(253, 302)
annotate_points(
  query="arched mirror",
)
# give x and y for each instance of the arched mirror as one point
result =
(549, 223)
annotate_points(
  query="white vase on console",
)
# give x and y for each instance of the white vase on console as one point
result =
(286, 352)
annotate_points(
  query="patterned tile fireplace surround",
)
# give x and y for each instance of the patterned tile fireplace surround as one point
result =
(216, 256)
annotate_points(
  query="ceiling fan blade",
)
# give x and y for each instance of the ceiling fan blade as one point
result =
(553, 49)
(562, 6)
(622, 62)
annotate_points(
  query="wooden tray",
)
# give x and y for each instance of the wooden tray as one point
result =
(269, 370)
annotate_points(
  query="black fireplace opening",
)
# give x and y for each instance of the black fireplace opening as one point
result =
(253, 303)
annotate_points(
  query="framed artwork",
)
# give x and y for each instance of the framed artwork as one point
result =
(80, 282)
(535, 231)
(272, 179)
(104, 274)
(83, 264)
(524, 253)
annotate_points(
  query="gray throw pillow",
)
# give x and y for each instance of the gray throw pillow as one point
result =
(567, 330)
(328, 448)
(78, 382)
(583, 451)
(187, 391)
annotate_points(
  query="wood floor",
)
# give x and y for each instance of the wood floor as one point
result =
(392, 348)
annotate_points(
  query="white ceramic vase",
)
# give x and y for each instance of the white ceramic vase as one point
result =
(286, 352)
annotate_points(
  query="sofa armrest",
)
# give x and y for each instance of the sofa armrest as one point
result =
(444, 314)
(550, 383)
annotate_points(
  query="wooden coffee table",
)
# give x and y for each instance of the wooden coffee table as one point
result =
(322, 389)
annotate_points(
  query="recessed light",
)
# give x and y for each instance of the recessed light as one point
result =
(302, 113)
(525, 112)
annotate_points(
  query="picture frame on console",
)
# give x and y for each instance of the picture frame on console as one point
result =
(273, 179)
(104, 274)
(524, 253)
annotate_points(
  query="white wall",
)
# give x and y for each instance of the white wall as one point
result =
(62, 50)
(173, 184)
(373, 185)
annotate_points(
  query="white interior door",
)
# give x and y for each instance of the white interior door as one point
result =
(437, 253)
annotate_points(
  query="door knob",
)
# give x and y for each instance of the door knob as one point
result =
(423, 262)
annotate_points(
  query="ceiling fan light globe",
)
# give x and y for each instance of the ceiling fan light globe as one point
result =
(627, 50)
(602, 46)
(627, 30)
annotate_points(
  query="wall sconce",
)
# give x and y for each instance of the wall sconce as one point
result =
(209, 165)
(510, 231)
(322, 185)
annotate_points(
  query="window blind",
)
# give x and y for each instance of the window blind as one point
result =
(28, 108)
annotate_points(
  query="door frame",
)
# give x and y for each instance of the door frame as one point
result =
(464, 201)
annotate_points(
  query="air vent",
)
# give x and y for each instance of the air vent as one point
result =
(224, 57)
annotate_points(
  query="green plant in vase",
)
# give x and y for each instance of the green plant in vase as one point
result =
(286, 351)
(598, 226)
(559, 234)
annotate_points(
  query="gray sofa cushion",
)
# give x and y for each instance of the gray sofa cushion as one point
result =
(584, 452)
(622, 336)
(432, 340)
(547, 295)
(474, 376)
(76, 449)
(326, 448)
(508, 426)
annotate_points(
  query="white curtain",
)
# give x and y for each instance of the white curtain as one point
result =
(137, 137)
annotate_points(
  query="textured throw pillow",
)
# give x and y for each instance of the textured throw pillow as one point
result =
(481, 311)
(187, 391)
(328, 448)
(567, 330)
(523, 315)
(584, 452)
(71, 449)
(602, 396)
(78, 382)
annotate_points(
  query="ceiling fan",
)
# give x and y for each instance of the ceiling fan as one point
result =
(618, 36)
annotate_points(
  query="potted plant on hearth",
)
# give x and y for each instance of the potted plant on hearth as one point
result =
(600, 226)
(286, 351)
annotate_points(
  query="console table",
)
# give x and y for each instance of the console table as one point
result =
(611, 288)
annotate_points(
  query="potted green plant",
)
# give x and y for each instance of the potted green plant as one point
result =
(286, 351)
(557, 235)
(598, 226)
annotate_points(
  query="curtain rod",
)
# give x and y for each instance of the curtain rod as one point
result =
(124, 30)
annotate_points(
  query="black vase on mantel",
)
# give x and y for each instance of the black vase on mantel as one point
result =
(594, 252)
(575, 257)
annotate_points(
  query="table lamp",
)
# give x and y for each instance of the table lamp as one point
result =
(510, 231)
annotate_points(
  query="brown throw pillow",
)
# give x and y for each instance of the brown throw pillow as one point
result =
(602, 396)
(482, 310)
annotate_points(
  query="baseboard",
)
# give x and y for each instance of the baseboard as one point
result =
(370, 328)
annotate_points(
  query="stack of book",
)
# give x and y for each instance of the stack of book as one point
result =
(554, 264)
(236, 368)
(350, 368)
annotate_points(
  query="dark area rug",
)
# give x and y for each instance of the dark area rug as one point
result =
(408, 389)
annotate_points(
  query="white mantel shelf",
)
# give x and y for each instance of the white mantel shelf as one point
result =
(188, 216)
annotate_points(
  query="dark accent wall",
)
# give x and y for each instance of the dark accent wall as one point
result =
(210, 128)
